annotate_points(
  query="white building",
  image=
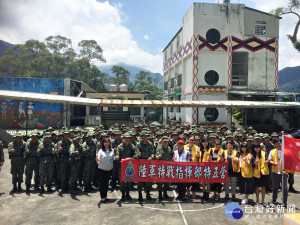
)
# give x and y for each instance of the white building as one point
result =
(221, 52)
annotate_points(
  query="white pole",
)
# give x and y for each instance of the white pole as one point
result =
(282, 152)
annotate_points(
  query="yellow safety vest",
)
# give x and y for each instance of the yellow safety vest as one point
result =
(219, 152)
(261, 167)
(275, 159)
(206, 155)
(246, 171)
(194, 152)
(235, 166)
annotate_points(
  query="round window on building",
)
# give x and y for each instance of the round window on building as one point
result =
(213, 36)
(211, 114)
(211, 77)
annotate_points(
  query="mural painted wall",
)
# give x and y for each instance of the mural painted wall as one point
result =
(31, 114)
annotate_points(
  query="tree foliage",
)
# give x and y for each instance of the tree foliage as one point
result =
(55, 58)
(292, 8)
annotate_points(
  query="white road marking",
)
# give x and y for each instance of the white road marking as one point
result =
(180, 208)
(5, 197)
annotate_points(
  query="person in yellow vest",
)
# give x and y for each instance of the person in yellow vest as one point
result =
(217, 155)
(246, 172)
(275, 158)
(232, 157)
(205, 157)
(194, 152)
(260, 172)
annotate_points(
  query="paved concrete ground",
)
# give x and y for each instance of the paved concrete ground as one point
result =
(53, 208)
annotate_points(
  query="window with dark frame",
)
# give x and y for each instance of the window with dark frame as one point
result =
(260, 28)
(240, 68)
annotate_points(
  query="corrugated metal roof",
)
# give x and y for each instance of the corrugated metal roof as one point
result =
(143, 103)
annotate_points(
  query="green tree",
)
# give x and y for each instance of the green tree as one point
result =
(121, 75)
(292, 8)
(91, 50)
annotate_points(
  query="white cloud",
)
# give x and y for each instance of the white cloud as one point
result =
(77, 20)
(146, 37)
(288, 55)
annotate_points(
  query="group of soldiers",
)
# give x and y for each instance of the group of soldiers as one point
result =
(66, 157)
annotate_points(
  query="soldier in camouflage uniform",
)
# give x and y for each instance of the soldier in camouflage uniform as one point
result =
(16, 150)
(75, 161)
(115, 143)
(45, 153)
(54, 140)
(1, 155)
(144, 150)
(163, 152)
(32, 162)
(125, 150)
(89, 156)
(63, 156)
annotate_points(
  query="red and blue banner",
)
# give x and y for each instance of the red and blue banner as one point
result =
(142, 170)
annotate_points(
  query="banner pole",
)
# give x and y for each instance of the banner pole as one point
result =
(282, 175)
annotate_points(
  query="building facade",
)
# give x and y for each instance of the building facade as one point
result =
(221, 52)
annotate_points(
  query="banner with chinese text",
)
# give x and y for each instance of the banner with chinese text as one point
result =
(142, 170)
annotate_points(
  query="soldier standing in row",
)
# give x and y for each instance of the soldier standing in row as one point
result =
(163, 152)
(115, 143)
(16, 150)
(144, 150)
(126, 150)
(32, 162)
(63, 156)
(46, 158)
(75, 161)
(1, 155)
(89, 154)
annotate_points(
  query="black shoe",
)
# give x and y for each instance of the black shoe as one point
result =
(148, 197)
(42, 189)
(227, 197)
(19, 187)
(234, 199)
(204, 195)
(14, 188)
(27, 189)
(123, 197)
(36, 187)
(140, 197)
(207, 196)
(128, 197)
(49, 189)
(160, 197)
(166, 196)
(292, 189)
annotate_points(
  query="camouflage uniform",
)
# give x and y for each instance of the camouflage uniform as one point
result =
(46, 157)
(32, 164)
(117, 165)
(75, 162)
(63, 161)
(1, 154)
(17, 162)
(89, 157)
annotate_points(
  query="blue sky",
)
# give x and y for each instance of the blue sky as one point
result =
(133, 32)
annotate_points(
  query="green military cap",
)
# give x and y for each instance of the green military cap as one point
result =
(181, 136)
(123, 125)
(49, 128)
(77, 129)
(165, 131)
(288, 135)
(135, 126)
(240, 134)
(116, 124)
(250, 138)
(261, 135)
(66, 132)
(197, 138)
(89, 134)
(175, 133)
(55, 132)
(209, 130)
(159, 133)
(97, 132)
(127, 135)
(167, 126)
(212, 135)
(256, 136)
(76, 136)
(254, 132)
(71, 130)
(236, 134)
(229, 134)
(267, 135)
(218, 130)
(85, 131)
(133, 133)
(101, 126)
(152, 125)
(238, 129)
(151, 137)
(274, 134)
(18, 134)
(224, 126)
(194, 131)
(194, 126)
(104, 134)
(165, 139)
(34, 133)
(117, 132)
(47, 135)
(250, 128)
(201, 129)
(144, 133)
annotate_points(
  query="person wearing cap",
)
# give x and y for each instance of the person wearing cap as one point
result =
(125, 150)
(246, 172)
(267, 147)
(165, 153)
(205, 157)
(232, 156)
(250, 131)
(250, 141)
(115, 143)
(71, 134)
(45, 153)
(105, 158)
(144, 150)
(16, 150)
(75, 162)
(217, 155)
(274, 136)
(180, 155)
(195, 155)
(260, 172)
(89, 150)
(32, 162)
(278, 173)
(1, 155)
(63, 156)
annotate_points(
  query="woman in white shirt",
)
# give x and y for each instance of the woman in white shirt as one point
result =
(105, 158)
